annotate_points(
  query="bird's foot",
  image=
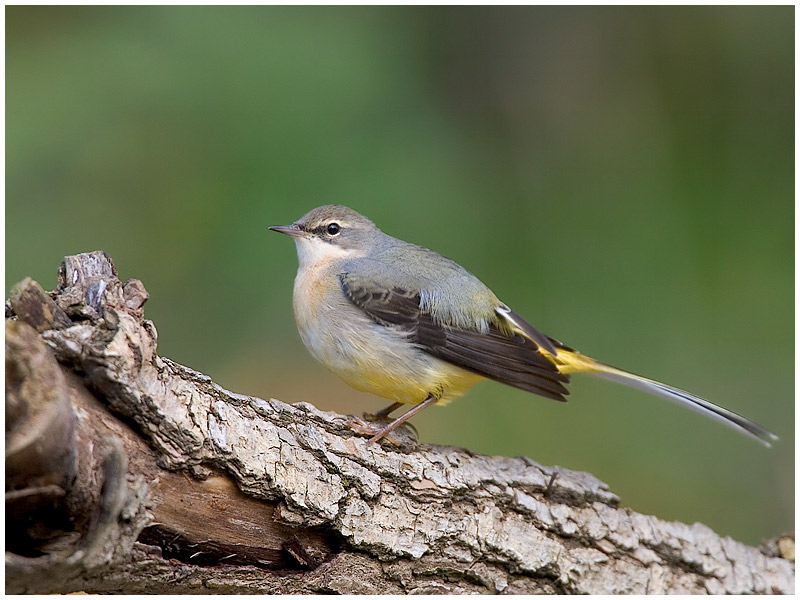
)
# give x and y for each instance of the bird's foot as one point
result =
(378, 427)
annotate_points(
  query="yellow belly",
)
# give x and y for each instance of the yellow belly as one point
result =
(410, 382)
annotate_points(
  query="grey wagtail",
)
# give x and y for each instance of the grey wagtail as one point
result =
(407, 324)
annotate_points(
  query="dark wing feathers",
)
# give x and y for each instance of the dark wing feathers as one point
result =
(388, 307)
(513, 360)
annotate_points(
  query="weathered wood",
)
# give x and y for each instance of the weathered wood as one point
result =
(169, 483)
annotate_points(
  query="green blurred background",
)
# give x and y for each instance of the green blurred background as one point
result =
(623, 177)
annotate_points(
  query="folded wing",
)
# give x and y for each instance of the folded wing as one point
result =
(500, 354)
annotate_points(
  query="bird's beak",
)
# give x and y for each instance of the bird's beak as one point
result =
(291, 230)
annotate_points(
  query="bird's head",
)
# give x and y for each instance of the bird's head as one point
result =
(331, 232)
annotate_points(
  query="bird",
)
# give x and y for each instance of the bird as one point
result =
(405, 323)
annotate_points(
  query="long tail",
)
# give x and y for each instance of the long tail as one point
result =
(570, 361)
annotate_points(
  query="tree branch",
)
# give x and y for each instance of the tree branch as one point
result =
(127, 472)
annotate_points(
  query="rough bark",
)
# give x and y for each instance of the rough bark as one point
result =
(127, 472)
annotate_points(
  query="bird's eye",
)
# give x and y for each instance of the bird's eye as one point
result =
(333, 229)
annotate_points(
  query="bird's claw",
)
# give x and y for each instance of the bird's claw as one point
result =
(375, 427)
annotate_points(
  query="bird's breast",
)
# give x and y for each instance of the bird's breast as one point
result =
(311, 290)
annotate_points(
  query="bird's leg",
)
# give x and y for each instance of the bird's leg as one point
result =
(430, 400)
(383, 413)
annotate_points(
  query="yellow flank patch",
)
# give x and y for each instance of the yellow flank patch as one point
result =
(385, 385)
(410, 387)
